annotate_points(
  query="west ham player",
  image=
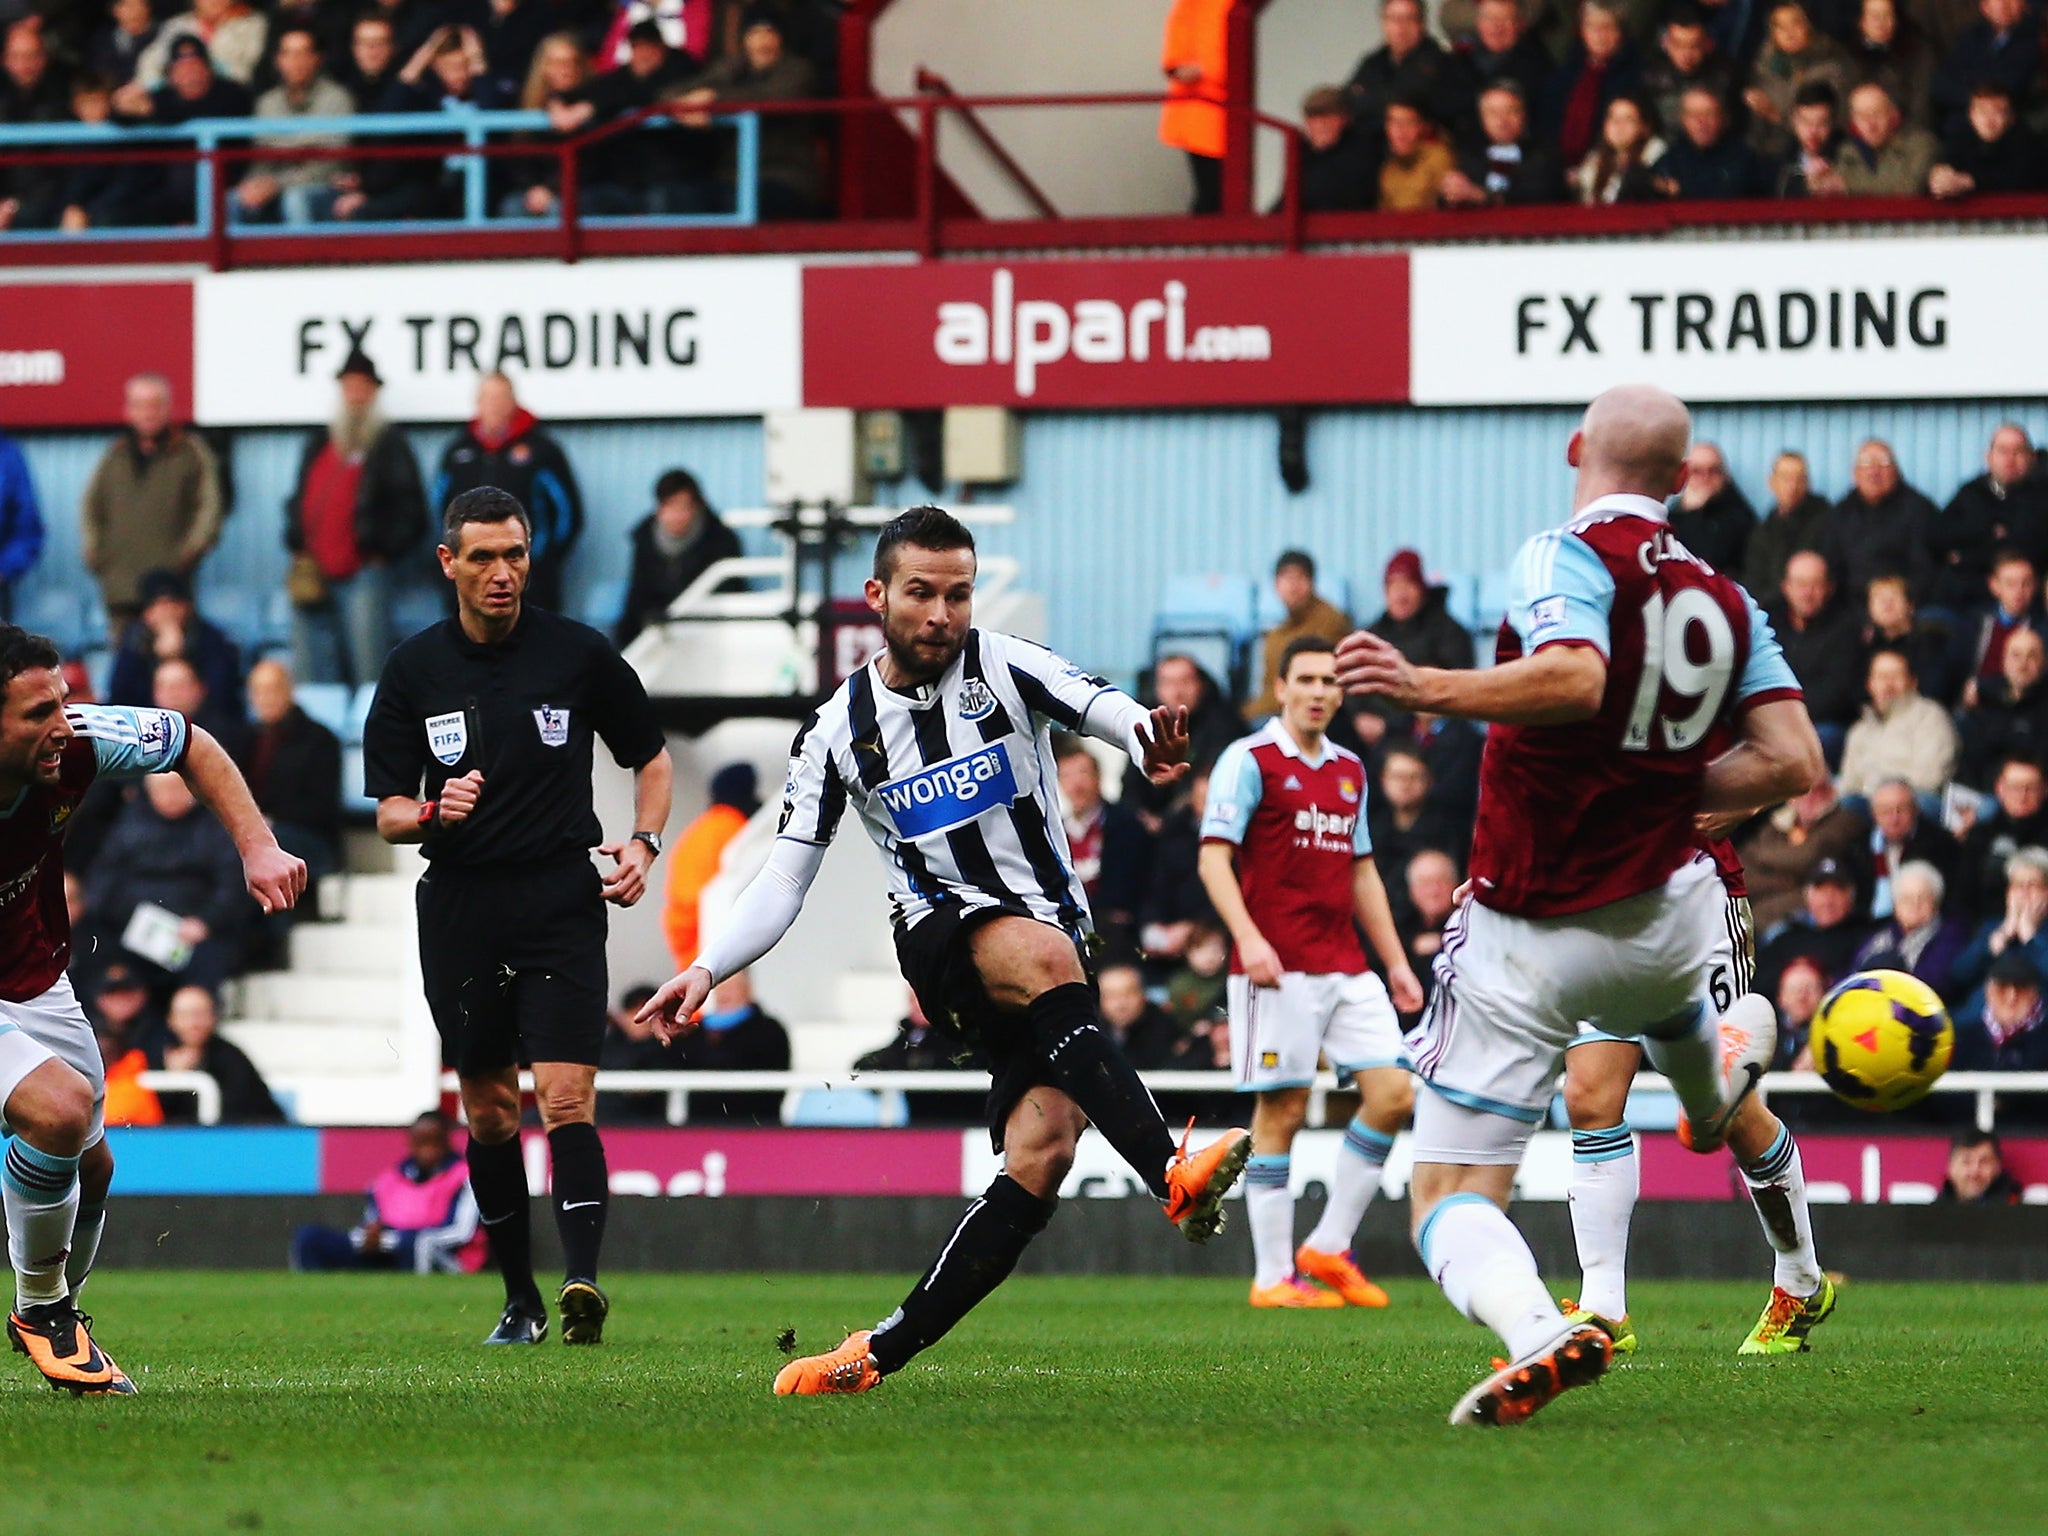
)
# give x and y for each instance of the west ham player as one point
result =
(942, 744)
(1591, 898)
(1288, 864)
(58, 1167)
(1606, 1180)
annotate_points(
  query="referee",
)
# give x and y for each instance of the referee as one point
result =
(478, 746)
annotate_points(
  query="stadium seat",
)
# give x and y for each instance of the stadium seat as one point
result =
(58, 612)
(351, 730)
(414, 608)
(1213, 619)
(846, 1107)
(326, 703)
(602, 603)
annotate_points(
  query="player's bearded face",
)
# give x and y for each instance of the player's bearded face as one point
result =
(926, 609)
(33, 730)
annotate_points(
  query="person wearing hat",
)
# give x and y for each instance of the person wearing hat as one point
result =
(1999, 1028)
(1828, 929)
(356, 511)
(673, 545)
(171, 628)
(192, 89)
(1417, 623)
(229, 31)
(693, 864)
(1340, 164)
(154, 500)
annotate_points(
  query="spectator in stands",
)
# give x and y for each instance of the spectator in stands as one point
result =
(1178, 682)
(171, 628)
(1687, 60)
(1819, 635)
(1409, 66)
(419, 1217)
(1110, 852)
(533, 188)
(177, 686)
(2006, 507)
(1880, 526)
(1193, 59)
(1417, 623)
(1781, 855)
(293, 765)
(1415, 161)
(102, 196)
(2003, 47)
(1900, 735)
(791, 182)
(1899, 835)
(2011, 715)
(191, 91)
(1294, 582)
(1706, 160)
(1175, 904)
(1617, 169)
(1825, 929)
(228, 32)
(511, 33)
(119, 43)
(1429, 899)
(153, 501)
(1990, 151)
(1147, 1032)
(2022, 927)
(1798, 54)
(1883, 156)
(445, 72)
(634, 171)
(373, 59)
(630, 1046)
(2020, 821)
(1916, 938)
(1891, 623)
(356, 512)
(1977, 1174)
(1999, 1029)
(1807, 169)
(734, 1034)
(1195, 991)
(194, 1044)
(1599, 69)
(1796, 521)
(699, 852)
(32, 90)
(122, 1062)
(1982, 635)
(117, 1000)
(1509, 168)
(1503, 51)
(673, 545)
(294, 191)
(1402, 820)
(21, 522)
(1452, 748)
(1339, 162)
(1801, 987)
(1890, 50)
(1712, 517)
(506, 446)
(161, 853)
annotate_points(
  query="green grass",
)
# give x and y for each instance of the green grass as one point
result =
(282, 1403)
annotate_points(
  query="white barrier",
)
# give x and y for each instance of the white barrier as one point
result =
(200, 1085)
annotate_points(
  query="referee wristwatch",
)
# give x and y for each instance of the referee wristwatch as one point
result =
(652, 840)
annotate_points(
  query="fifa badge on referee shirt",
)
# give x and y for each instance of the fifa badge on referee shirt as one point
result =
(448, 737)
(554, 726)
(977, 700)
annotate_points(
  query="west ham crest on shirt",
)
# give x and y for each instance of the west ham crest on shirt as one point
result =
(448, 737)
(977, 700)
(554, 726)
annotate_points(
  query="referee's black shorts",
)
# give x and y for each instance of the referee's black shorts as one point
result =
(936, 957)
(514, 965)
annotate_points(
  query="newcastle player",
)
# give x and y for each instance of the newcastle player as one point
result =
(941, 743)
(479, 747)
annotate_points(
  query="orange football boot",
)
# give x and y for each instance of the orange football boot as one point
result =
(849, 1368)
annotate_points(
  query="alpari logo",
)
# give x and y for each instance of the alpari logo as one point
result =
(44, 367)
(1322, 824)
(1029, 334)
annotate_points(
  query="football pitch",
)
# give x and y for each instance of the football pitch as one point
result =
(364, 1404)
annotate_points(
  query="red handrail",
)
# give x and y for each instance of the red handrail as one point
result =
(937, 85)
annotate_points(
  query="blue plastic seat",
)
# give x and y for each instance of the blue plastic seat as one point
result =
(849, 1107)
(327, 703)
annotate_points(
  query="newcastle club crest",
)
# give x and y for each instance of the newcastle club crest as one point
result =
(977, 700)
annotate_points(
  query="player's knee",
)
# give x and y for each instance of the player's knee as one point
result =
(1593, 1106)
(1389, 1106)
(565, 1105)
(492, 1117)
(52, 1109)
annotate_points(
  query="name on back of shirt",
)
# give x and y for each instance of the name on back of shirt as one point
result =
(950, 794)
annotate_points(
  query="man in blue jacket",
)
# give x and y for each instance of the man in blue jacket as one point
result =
(21, 522)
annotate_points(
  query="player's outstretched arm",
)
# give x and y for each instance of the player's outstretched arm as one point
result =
(1376, 917)
(1218, 869)
(1560, 684)
(1778, 756)
(760, 916)
(275, 878)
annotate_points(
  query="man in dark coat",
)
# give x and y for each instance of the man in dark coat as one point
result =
(506, 446)
(1416, 623)
(1409, 66)
(1712, 517)
(1796, 521)
(1820, 636)
(2006, 506)
(1340, 164)
(1880, 526)
(673, 545)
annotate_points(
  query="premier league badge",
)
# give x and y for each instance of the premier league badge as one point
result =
(977, 700)
(554, 726)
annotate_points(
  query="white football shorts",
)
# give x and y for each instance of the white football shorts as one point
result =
(51, 1025)
(1278, 1033)
(1512, 992)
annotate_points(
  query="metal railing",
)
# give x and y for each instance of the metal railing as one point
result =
(201, 1085)
(1985, 1087)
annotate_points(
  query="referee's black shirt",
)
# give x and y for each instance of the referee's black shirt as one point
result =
(525, 710)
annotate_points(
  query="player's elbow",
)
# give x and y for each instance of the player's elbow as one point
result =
(1802, 765)
(1580, 684)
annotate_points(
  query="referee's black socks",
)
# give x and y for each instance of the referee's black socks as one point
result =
(582, 1191)
(981, 1252)
(1089, 1066)
(497, 1177)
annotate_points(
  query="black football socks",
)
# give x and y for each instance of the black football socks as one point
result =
(1090, 1068)
(497, 1177)
(982, 1251)
(582, 1193)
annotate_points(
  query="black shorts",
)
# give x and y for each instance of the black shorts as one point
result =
(514, 964)
(937, 959)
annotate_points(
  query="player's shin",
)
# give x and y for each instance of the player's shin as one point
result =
(581, 1195)
(1361, 1165)
(1269, 1208)
(1605, 1183)
(1688, 1053)
(40, 1191)
(979, 1255)
(86, 1233)
(1485, 1270)
(497, 1177)
(1090, 1068)
(1777, 1184)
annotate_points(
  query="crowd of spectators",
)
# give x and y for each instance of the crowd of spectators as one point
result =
(584, 63)
(1523, 102)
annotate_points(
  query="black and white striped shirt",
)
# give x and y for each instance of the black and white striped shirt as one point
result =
(955, 780)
